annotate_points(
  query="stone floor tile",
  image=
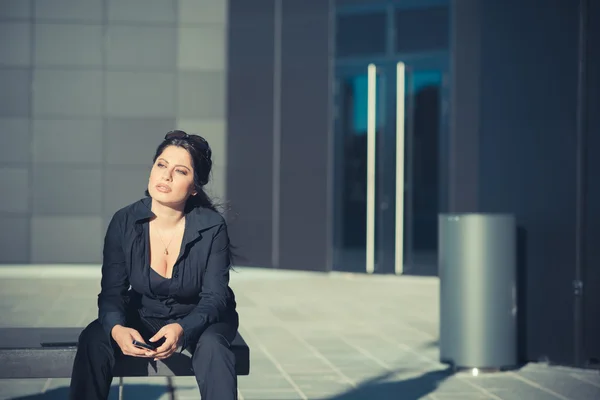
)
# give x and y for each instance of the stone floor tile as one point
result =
(355, 337)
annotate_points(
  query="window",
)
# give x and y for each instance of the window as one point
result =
(361, 34)
(422, 29)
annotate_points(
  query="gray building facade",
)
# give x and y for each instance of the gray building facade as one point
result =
(89, 88)
(340, 130)
(498, 106)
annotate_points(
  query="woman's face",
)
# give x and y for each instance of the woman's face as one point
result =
(172, 176)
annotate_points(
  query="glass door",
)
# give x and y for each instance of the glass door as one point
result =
(359, 128)
(426, 121)
(388, 124)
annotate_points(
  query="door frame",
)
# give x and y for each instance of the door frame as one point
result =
(388, 67)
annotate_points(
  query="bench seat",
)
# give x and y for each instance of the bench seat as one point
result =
(23, 356)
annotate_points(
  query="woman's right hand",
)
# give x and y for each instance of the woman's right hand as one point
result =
(124, 337)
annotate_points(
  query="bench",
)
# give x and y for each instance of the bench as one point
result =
(50, 352)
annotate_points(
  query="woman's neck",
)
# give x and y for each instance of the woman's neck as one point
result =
(166, 217)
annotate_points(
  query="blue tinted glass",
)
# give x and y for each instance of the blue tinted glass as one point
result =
(361, 34)
(360, 92)
(360, 86)
(422, 29)
(422, 79)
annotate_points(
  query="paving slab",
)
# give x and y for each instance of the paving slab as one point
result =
(312, 335)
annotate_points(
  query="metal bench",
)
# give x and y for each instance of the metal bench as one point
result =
(50, 352)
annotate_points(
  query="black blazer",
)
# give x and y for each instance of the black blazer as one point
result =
(199, 293)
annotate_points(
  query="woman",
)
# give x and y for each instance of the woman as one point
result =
(172, 247)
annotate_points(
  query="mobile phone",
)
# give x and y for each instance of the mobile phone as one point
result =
(143, 345)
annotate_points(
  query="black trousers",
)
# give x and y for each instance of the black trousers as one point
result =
(212, 360)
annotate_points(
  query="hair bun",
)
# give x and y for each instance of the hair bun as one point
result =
(206, 165)
(208, 154)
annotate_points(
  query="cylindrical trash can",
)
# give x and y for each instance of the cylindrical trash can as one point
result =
(478, 301)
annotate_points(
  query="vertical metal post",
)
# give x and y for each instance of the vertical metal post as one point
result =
(276, 194)
(120, 388)
(581, 182)
(170, 388)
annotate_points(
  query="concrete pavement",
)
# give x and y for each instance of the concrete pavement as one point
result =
(312, 336)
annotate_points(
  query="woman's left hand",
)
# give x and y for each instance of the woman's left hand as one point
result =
(173, 333)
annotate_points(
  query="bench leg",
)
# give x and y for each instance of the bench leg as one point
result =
(170, 388)
(120, 388)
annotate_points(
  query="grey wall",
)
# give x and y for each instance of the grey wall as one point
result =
(528, 158)
(514, 150)
(250, 113)
(466, 47)
(306, 61)
(89, 88)
(279, 132)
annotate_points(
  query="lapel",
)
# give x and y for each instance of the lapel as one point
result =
(197, 221)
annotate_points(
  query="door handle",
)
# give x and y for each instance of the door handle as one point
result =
(371, 145)
(399, 223)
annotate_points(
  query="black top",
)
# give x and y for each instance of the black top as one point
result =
(159, 285)
(198, 292)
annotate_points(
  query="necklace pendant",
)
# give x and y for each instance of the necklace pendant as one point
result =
(166, 252)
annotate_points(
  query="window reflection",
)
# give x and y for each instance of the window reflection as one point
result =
(425, 90)
(353, 138)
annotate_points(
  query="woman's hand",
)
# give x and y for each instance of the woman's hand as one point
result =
(124, 337)
(173, 333)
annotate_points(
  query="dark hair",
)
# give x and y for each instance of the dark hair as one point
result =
(201, 154)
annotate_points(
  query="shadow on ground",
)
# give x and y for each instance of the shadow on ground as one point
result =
(381, 388)
(140, 391)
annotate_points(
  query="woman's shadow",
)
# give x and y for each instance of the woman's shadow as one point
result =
(409, 389)
(378, 388)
